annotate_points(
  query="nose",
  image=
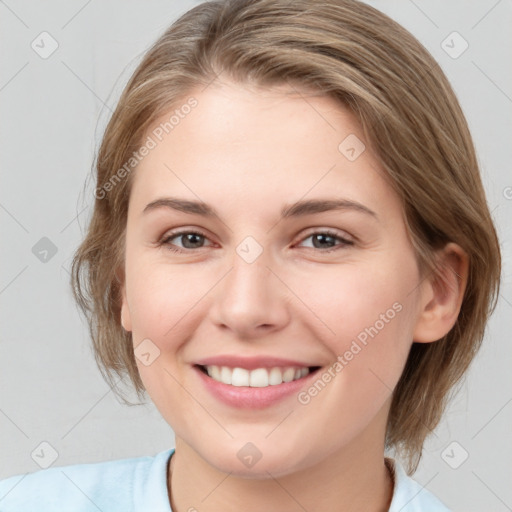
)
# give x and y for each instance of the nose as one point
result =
(251, 301)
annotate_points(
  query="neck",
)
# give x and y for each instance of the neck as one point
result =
(354, 479)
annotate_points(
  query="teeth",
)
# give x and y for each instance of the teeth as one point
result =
(225, 375)
(258, 378)
(288, 375)
(275, 377)
(215, 372)
(240, 377)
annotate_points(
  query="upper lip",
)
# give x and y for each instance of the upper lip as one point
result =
(250, 363)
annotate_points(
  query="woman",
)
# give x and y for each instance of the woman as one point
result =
(291, 252)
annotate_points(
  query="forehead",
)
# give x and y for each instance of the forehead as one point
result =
(262, 146)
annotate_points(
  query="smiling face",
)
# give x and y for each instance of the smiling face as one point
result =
(325, 292)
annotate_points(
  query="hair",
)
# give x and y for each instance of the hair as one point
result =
(349, 51)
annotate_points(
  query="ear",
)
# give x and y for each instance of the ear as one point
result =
(442, 294)
(126, 320)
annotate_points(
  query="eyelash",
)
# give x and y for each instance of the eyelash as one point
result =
(174, 234)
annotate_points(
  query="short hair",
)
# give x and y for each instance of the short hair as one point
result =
(349, 51)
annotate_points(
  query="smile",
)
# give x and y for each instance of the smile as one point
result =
(256, 378)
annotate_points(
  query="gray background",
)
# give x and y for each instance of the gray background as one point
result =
(53, 114)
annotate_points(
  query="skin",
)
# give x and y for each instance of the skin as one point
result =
(247, 152)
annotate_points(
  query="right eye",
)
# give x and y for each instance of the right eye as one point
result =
(189, 240)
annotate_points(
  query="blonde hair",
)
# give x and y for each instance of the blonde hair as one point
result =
(349, 51)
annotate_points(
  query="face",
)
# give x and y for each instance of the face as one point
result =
(270, 283)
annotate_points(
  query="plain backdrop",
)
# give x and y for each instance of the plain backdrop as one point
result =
(54, 110)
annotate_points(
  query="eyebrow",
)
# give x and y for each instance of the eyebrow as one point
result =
(300, 208)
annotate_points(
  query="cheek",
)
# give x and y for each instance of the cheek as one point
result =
(353, 299)
(367, 315)
(162, 296)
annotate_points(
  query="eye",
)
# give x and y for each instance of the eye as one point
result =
(190, 240)
(326, 240)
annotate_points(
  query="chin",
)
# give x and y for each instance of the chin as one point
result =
(249, 462)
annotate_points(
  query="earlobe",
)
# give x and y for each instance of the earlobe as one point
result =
(125, 317)
(442, 295)
(126, 321)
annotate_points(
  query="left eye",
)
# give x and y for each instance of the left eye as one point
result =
(190, 240)
(319, 238)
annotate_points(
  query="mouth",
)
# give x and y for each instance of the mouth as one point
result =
(256, 377)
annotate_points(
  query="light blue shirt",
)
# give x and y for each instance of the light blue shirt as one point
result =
(140, 485)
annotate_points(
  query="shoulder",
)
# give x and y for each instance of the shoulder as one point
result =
(410, 496)
(114, 485)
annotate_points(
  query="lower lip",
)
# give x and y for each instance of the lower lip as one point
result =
(252, 398)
